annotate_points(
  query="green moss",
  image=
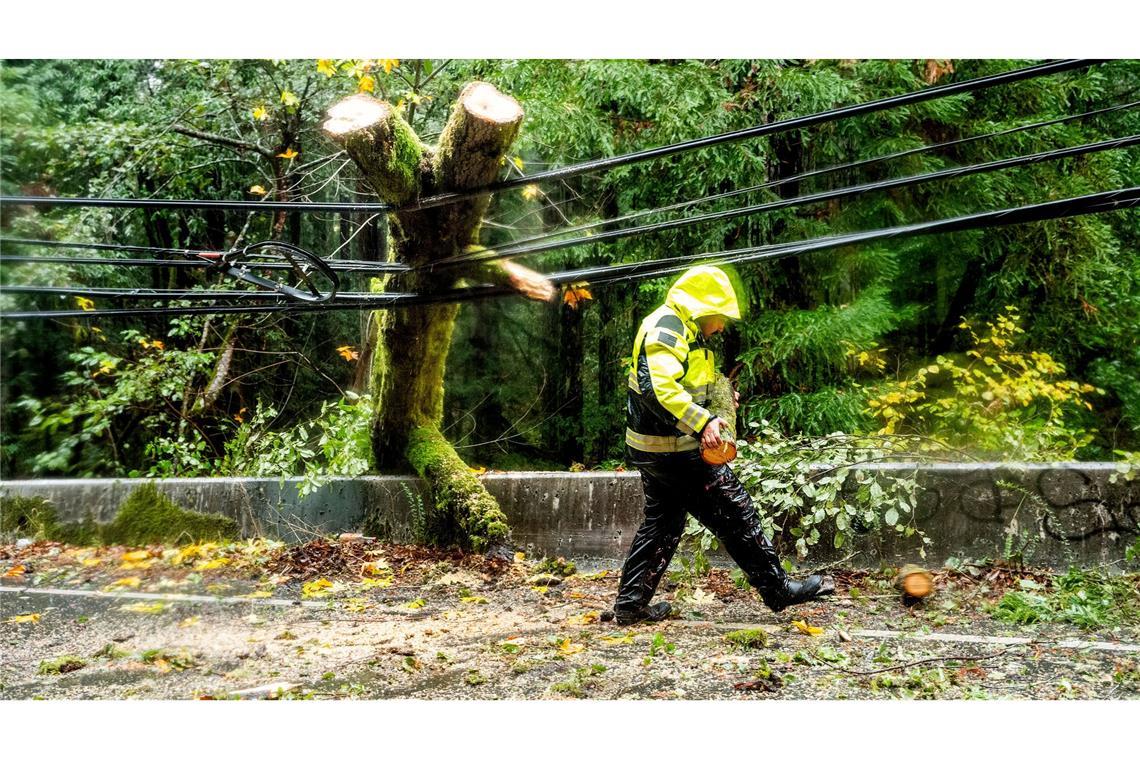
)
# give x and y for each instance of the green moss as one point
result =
(723, 402)
(60, 665)
(556, 566)
(146, 517)
(464, 511)
(749, 638)
(27, 516)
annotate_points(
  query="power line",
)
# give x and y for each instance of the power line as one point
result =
(370, 267)
(171, 203)
(776, 127)
(350, 266)
(816, 173)
(860, 109)
(955, 172)
(194, 257)
(165, 294)
(1113, 200)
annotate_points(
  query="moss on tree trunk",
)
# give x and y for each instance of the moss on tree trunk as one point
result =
(412, 343)
(723, 401)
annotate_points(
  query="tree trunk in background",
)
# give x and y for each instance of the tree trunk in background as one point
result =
(412, 343)
(487, 418)
(615, 331)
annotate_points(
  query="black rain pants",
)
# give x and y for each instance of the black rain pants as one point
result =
(678, 483)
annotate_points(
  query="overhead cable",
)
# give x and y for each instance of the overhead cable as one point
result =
(1113, 200)
(799, 122)
(633, 215)
(512, 251)
(776, 127)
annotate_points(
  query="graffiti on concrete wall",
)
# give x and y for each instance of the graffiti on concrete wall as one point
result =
(1071, 504)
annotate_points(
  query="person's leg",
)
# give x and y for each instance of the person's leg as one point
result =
(725, 508)
(654, 543)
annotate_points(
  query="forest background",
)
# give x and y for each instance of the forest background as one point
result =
(1008, 343)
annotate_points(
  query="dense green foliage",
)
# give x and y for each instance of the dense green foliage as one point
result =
(532, 385)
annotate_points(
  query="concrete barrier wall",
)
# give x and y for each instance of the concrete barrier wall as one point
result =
(1069, 512)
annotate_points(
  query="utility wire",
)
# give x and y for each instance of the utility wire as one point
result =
(816, 173)
(194, 257)
(512, 251)
(361, 267)
(1113, 200)
(799, 122)
(171, 203)
(776, 127)
(166, 294)
(377, 267)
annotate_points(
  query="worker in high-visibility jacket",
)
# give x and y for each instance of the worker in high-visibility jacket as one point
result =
(668, 422)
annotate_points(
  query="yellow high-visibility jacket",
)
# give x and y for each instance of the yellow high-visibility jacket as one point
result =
(672, 373)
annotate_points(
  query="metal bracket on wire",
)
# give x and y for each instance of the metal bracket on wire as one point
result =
(308, 278)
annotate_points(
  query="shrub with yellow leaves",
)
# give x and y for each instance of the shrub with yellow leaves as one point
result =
(997, 399)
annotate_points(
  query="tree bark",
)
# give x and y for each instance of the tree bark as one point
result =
(410, 354)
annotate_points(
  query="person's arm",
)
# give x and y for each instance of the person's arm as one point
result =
(665, 350)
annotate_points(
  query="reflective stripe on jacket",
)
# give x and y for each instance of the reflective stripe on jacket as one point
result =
(672, 373)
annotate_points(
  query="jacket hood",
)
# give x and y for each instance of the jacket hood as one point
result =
(701, 292)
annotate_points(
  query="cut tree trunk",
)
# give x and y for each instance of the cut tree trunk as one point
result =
(412, 343)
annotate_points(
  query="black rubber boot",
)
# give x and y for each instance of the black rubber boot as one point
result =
(727, 510)
(652, 613)
(780, 596)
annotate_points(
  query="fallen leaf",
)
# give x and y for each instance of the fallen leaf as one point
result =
(356, 604)
(136, 556)
(567, 647)
(258, 595)
(16, 572)
(807, 630)
(376, 582)
(316, 589)
(33, 617)
(147, 609)
(289, 154)
(190, 622)
(212, 564)
(376, 567)
(618, 639)
(473, 600)
(586, 618)
(348, 353)
(415, 604)
(130, 582)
